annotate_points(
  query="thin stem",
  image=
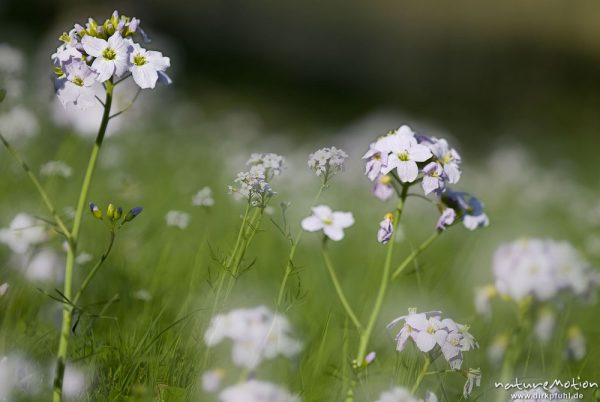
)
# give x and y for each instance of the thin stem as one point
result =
(63, 345)
(422, 374)
(290, 260)
(366, 335)
(415, 254)
(129, 105)
(339, 291)
(38, 187)
(93, 271)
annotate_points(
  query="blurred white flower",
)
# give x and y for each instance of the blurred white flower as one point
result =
(257, 334)
(211, 380)
(204, 198)
(83, 258)
(542, 269)
(18, 124)
(326, 162)
(4, 288)
(18, 374)
(45, 266)
(56, 168)
(330, 222)
(267, 165)
(544, 326)
(24, 232)
(576, 345)
(397, 394)
(483, 295)
(142, 294)
(74, 383)
(12, 60)
(257, 391)
(497, 349)
(178, 219)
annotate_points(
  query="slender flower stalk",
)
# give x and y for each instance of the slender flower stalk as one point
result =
(338, 289)
(67, 318)
(416, 252)
(421, 375)
(290, 260)
(385, 279)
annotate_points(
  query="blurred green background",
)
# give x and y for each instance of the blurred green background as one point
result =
(514, 85)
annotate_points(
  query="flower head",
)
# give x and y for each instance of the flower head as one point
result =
(110, 56)
(75, 85)
(468, 208)
(404, 153)
(146, 64)
(267, 164)
(23, 232)
(257, 391)
(257, 334)
(429, 331)
(383, 188)
(204, 198)
(326, 162)
(330, 222)
(178, 219)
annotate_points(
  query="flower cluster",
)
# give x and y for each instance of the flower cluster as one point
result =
(326, 162)
(542, 268)
(254, 185)
(204, 198)
(331, 223)
(432, 334)
(257, 391)
(257, 334)
(400, 394)
(114, 216)
(178, 219)
(96, 54)
(56, 168)
(402, 158)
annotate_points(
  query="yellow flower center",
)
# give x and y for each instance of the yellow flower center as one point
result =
(78, 81)
(139, 60)
(328, 221)
(403, 156)
(109, 54)
(385, 179)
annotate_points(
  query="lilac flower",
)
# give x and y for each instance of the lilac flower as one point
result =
(433, 178)
(383, 188)
(405, 152)
(326, 162)
(111, 56)
(428, 332)
(386, 229)
(376, 161)
(446, 219)
(447, 157)
(145, 65)
(330, 222)
(76, 85)
(467, 207)
(473, 380)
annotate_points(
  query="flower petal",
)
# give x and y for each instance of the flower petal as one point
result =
(407, 171)
(312, 224)
(333, 232)
(343, 219)
(93, 46)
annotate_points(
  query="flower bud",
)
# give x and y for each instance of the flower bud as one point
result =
(133, 212)
(118, 214)
(110, 211)
(95, 211)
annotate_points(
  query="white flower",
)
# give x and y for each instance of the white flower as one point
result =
(45, 266)
(473, 380)
(4, 288)
(145, 65)
(24, 231)
(428, 331)
(483, 295)
(433, 179)
(211, 380)
(326, 162)
(267, 164)
(83, 258)
(178, 219)
(142, 294)
(257, 334)
(12, 60)
(257, 391)
(497, 349)
(330, 222)
(383, 188)
(203, 198)
(544, 326)
(397, 394)
(447, 157)
(18, 374)
(56, 168)
(74, 382)
(576, 349)
(405, 152)
(542, 268)
(253, 187)
(386, 229)
(18, 124)
(111, 57)
(76, 86)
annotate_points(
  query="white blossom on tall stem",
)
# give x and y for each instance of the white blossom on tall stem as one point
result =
(76, 85)
(405, 152)
(146, 64)
(111, 56)
(330, 222)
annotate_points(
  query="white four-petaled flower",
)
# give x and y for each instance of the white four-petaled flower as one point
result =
(330, 222)
(146, 64)
(111, 56)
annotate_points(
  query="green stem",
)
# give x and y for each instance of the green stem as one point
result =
(38, 187)
(385, 278)
(95, 269)
(290, 260)
(63, 345)
(415, 254)
(339, 291)
(422, 375)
